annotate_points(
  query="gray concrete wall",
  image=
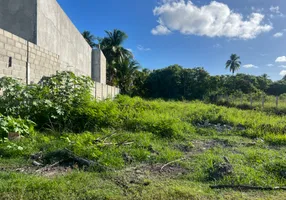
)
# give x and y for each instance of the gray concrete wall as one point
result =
(56, 33)
(98, 72)
(40, 62)
(19, 17)
(103, 91)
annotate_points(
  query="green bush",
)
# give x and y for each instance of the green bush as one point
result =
(15, 125)
(48, 103)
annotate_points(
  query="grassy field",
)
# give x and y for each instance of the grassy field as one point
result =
(151, 150)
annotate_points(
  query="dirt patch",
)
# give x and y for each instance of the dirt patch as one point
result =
(146, 171)
(170, 170)
(44, 171)
(204, 145)
(220, 127)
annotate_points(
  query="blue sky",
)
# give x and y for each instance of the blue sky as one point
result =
(192, 33)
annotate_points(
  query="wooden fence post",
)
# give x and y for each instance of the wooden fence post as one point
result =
(277, 99)
(263, 101)
(251, 101)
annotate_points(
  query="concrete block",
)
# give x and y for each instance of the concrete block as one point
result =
(19, 45)
(11, 41)
(15, 49)
(8, 47)
(10, 54)
(18, 56)
(23, 52)
(32, 55)
(24, 42)
(24, 58)
(2, 52)
(32, 50)
(2, 45)
(7, 72)
(3, 39)
(15, 38)
(7, 34)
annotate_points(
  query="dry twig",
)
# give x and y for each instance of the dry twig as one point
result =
(171, 163)
(246, 187)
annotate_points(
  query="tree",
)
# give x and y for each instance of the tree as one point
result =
(277, 88)
(234, 63)
(125, 75)
(115, 53)
(165, 83)
(139, 82)
(195, 83)
(89, 38)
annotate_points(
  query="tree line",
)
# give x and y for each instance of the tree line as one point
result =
(175, 82)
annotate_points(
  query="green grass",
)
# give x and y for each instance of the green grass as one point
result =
(138, 139)
(244, 102)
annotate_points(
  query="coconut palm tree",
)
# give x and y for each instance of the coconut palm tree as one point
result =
(89, 38)
(115, 53)
(233, 64)
(112, 46)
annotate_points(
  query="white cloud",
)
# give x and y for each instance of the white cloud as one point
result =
(277, 35)
(130, 50)
(250, 66)
(217, 45)
(259, 10)
(275, 9)
(141, 48)
(283, 73)
(270, 65)
(281, 59)
(160, 30)
(282, 66)
(212, 20)
(276, 12)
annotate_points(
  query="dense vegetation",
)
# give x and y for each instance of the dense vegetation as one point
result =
(134, 148)
(175, 82)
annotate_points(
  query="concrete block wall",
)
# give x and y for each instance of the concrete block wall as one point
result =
(14, 49)
(22, 54)
(57, 33)
(103, 91)
(30, 62)
(41, 40)
(44, 23)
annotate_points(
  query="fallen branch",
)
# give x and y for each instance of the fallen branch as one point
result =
(171, 163)
(246, 187)
(79, 160)
(109, 136)
(48, 167)
(118, 144)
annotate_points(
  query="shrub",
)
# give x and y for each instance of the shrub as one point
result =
(15, 125)
(48, 103)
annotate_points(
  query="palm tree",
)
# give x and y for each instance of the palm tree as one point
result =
(234, 63)
(114, 52)
(125, 74)
(89, 38)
